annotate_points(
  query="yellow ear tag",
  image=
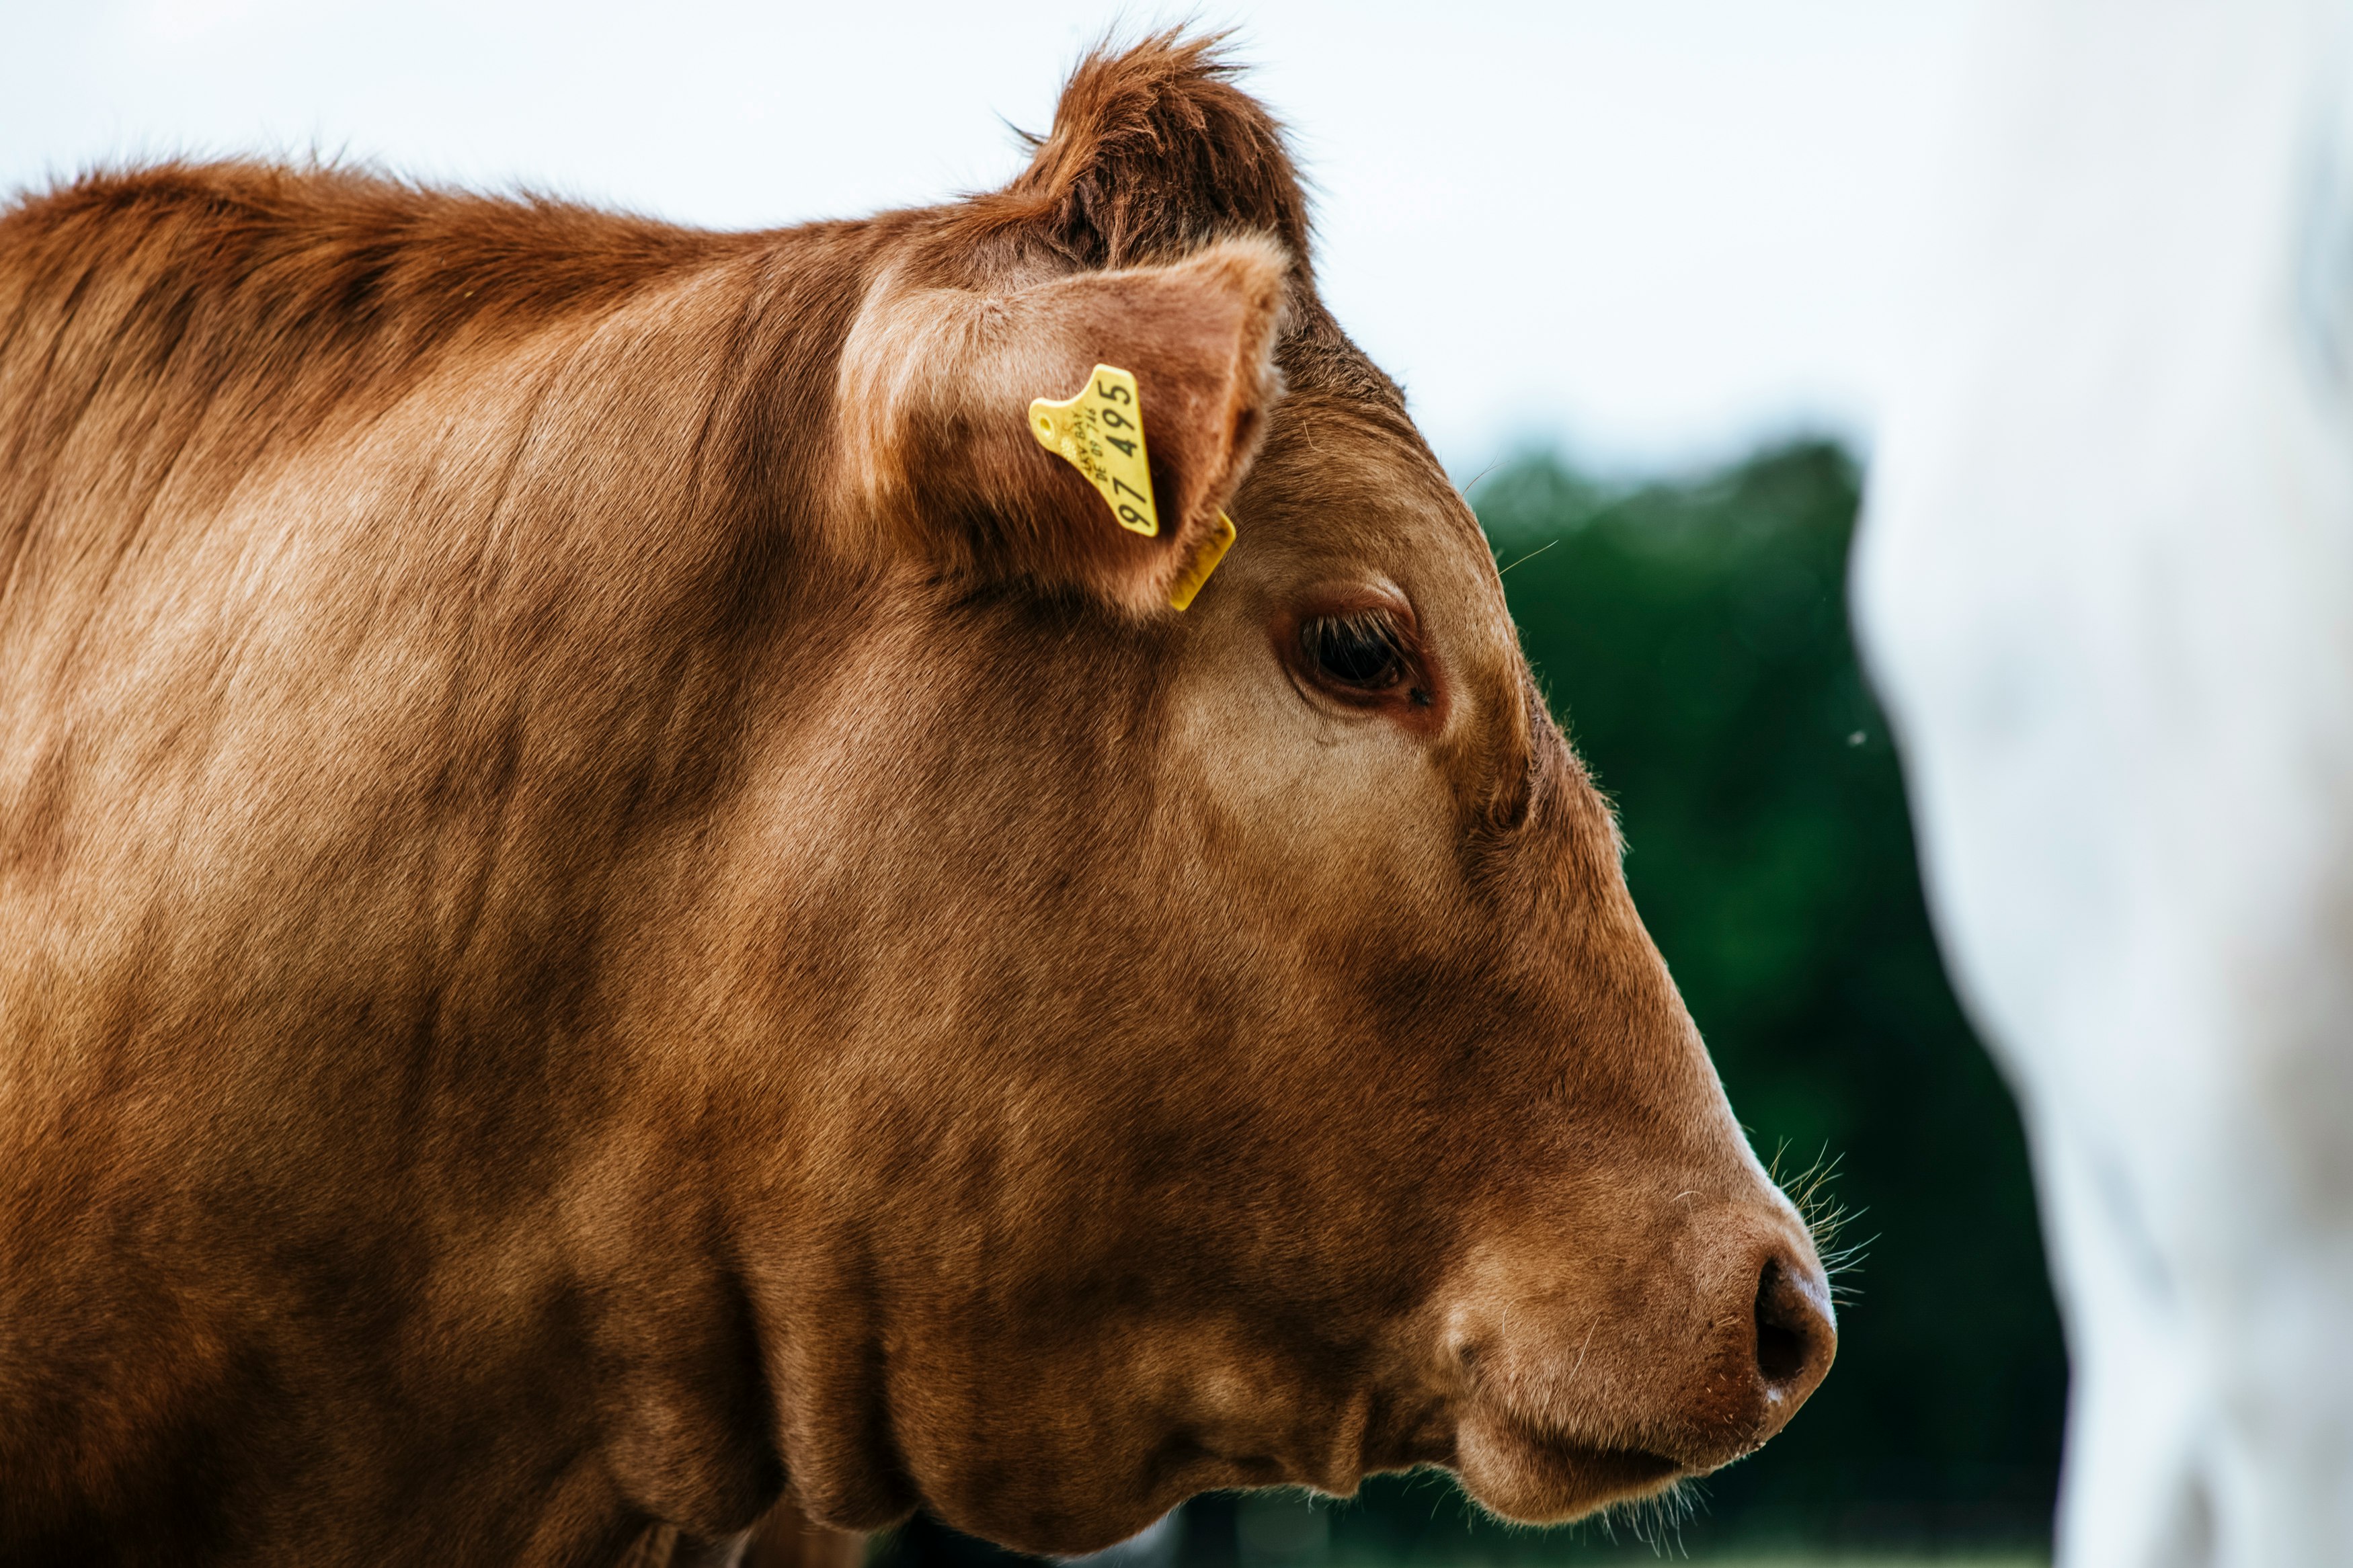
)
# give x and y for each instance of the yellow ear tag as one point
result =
(1101, 432)
(1211, 551)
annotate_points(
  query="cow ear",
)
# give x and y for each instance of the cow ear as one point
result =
(1151, 379)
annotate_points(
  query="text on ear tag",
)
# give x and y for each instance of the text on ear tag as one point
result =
(1101, 431)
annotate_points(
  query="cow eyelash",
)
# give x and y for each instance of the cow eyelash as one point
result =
(1361, 651)
(1363, 654)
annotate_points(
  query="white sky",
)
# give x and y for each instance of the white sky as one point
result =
(1652, 231)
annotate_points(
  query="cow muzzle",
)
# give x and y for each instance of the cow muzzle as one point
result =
(1576, 1398)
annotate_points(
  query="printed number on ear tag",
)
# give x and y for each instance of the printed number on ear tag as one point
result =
(1101, 431)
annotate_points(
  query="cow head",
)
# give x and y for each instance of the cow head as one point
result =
(1219, 1048)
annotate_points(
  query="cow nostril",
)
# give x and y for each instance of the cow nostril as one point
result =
(1790, 1330)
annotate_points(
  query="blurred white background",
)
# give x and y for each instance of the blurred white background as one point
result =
(1651, 233)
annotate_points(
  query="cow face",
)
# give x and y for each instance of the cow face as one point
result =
(1238, 1061)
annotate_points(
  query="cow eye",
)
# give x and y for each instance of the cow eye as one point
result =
(1362, 652)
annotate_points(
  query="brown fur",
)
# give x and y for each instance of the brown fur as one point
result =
(620, 907)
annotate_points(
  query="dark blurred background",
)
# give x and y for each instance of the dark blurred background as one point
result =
(1693, 638)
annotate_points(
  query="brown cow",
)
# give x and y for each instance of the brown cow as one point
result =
(620, 900)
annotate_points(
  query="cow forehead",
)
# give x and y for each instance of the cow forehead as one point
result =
(1347, 490)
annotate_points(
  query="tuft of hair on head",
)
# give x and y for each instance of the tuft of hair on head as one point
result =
(1155, 152)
